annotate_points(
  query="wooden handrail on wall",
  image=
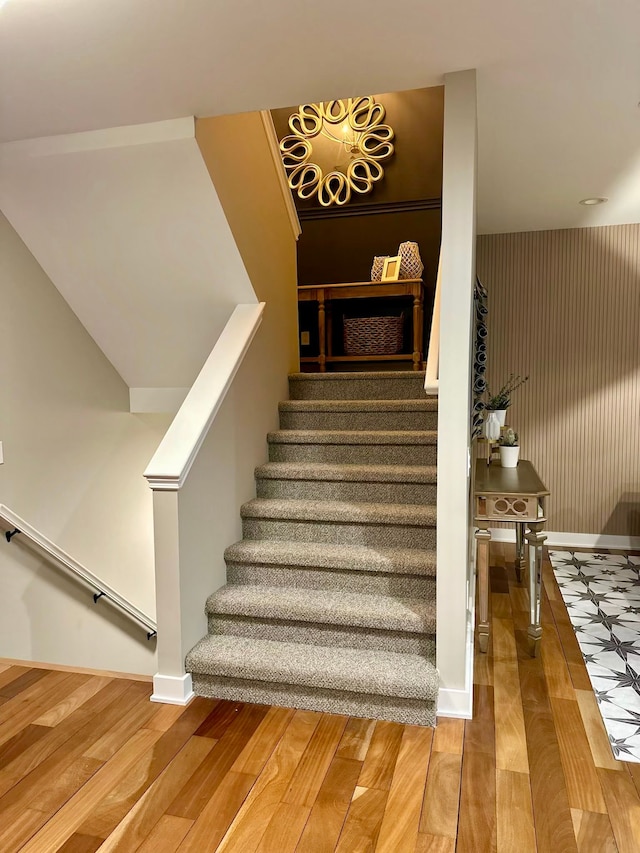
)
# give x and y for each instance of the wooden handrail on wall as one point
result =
(15, 525)
(433, 356)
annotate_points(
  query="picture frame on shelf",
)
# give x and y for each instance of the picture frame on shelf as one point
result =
(391, 268)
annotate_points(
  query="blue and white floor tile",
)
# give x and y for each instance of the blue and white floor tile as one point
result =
(602, 595)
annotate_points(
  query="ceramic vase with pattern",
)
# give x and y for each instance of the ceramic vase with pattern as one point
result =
(411, 265)
(377, 267)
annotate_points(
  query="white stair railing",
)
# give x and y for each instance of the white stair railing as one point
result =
(433, 356)
(184, 573)
(15, 525)
(177, 451)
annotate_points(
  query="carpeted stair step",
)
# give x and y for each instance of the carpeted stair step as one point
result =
(359, 414)
(371, 684)
(372, 385)
(412, 484)
(353, 568)
(357, 447)
(324, 618)
(337, 522)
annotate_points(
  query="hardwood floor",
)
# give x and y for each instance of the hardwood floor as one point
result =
(88, 763)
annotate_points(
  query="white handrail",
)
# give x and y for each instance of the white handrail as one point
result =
(72, 567)
(433, 357)
(178, 449)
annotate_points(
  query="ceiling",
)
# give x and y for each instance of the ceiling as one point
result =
(558, 80)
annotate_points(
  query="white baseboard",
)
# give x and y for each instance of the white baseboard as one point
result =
(172, 689)
(455, 703)
(573, 540)
(458, 702)
(63, 667)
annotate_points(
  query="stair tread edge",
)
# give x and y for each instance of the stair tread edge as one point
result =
(350, 609)
(402, 675)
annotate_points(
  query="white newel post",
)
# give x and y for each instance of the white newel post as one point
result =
(455, 578)
(171, 684)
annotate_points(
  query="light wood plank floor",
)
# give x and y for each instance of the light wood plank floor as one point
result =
(88, 763)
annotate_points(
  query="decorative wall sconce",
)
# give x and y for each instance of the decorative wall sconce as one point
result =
(355, 126)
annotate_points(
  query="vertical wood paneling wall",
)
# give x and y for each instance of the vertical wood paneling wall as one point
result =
(564, 307)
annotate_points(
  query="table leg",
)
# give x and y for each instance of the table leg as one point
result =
(483, 537)
(535, 539)
(520, 530)
(322, 359)
(417, 357)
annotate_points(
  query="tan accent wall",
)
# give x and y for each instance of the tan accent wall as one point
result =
(236, 152)
(564, 307)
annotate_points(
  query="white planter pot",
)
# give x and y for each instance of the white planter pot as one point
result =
(509, 456)
(501, 415)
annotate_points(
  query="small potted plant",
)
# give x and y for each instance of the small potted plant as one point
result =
(509, 448)
(500, 402)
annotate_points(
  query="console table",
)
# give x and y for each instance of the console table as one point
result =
(325, 294)
(516, 495)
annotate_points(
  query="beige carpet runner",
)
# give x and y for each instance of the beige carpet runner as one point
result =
(330, 599)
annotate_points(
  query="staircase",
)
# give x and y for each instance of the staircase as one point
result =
(330, 600)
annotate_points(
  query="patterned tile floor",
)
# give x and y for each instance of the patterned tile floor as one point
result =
(602, 594)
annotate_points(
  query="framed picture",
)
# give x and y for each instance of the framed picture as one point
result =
(391, 269)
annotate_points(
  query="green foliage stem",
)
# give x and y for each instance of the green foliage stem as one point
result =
(502, 399)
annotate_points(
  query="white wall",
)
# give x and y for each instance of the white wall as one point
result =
(454, 583)
(128, 226)
(74, 458)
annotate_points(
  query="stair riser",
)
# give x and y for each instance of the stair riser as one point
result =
(373, 583)
(359, 420)
(327, 490)
(316, 634)
(380, 535)
(355, 454)
(416, 712)
(405, 388)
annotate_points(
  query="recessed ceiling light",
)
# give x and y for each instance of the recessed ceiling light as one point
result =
(589, 202)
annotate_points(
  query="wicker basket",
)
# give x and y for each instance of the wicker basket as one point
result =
(373, 335)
